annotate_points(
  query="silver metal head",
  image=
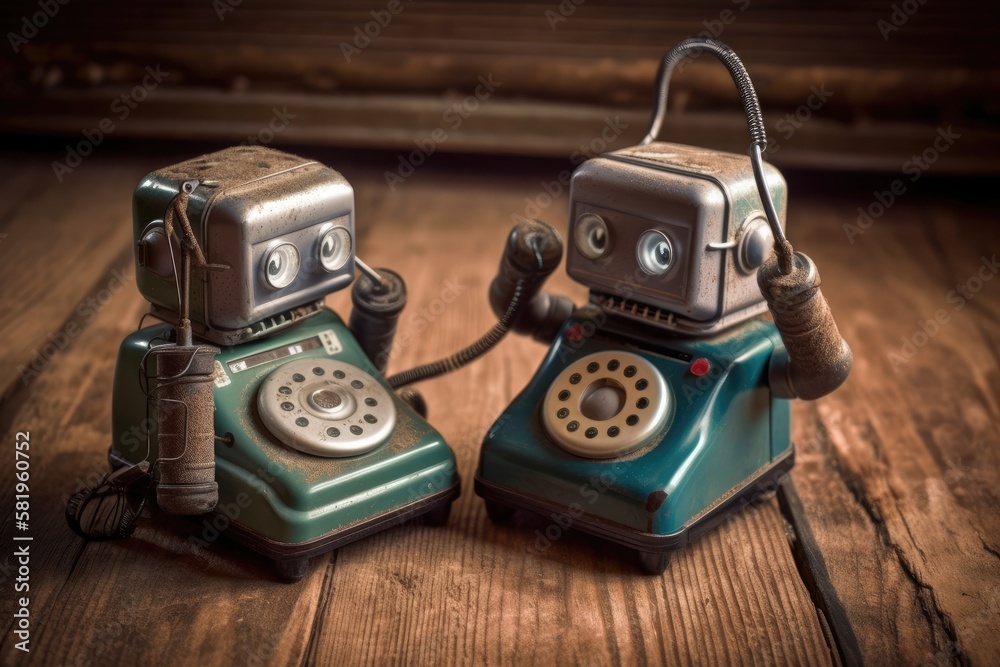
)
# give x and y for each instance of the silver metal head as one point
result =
(282, 225)
(671, 234)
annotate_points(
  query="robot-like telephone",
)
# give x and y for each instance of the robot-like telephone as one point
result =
(260, 408)
(661, 405)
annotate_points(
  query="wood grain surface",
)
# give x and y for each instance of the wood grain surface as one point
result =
(897, 472)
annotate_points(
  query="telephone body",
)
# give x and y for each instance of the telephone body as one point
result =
(663, 403)
(312, 448)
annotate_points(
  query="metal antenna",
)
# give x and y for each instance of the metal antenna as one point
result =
(368, 271)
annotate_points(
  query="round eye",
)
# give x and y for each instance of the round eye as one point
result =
(591, 235)
(654, 252)
(281, 264)
(334, 248)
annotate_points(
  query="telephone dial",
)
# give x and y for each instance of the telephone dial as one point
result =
(662, 404)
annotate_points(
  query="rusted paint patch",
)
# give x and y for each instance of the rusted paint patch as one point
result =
(655, 500)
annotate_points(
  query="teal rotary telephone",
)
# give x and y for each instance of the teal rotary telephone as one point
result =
(662, 405)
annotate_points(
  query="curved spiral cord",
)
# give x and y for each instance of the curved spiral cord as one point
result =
(755, 125)
(478, 348)
(109, 510)
(468, 354)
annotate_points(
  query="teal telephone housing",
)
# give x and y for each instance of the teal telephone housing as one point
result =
(283, 503)
(663, 404)
(717, 435)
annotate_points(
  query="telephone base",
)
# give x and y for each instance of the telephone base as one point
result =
(313, 449)
(291, 560)
(502, 501)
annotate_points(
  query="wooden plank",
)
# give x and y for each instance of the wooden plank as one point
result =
(504, 126)
(591, 78)
(768, 33)
(898, 469)
(47, 274)
(733, 598)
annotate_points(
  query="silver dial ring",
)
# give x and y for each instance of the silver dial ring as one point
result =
(326, 407)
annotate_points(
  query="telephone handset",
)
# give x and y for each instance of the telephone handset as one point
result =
(661, 404)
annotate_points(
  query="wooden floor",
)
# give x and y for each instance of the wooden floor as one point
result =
(888, 553)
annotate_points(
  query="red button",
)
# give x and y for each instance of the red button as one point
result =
(574, 333)
(700, 367)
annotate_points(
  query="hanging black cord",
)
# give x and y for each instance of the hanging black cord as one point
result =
(484, 344)
(755, 124)
(470, 353)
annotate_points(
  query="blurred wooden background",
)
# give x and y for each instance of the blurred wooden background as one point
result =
(891, 74)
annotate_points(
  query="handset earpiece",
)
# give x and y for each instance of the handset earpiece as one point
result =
(816, 359)
(378, 299)
(532, 252)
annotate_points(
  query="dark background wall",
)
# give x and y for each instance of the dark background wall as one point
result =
(845, 85)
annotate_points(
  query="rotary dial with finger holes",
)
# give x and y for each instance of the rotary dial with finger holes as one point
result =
(606, 405)
(326, 407)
